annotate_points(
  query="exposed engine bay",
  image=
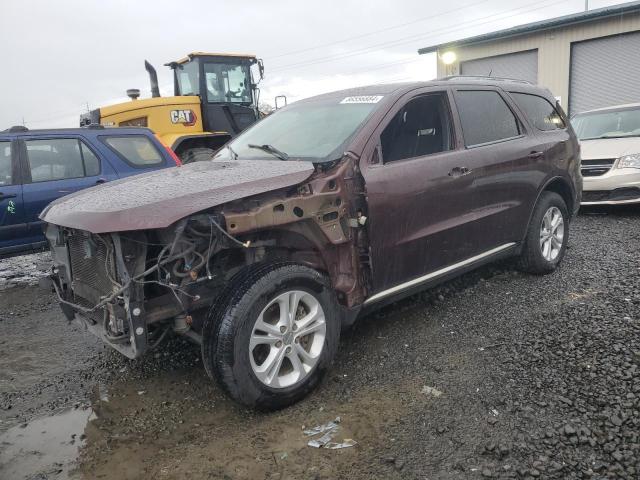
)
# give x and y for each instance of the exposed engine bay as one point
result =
(132, 288)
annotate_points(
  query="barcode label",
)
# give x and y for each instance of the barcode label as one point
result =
(363, 99)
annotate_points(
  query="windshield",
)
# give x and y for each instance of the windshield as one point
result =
(187, 76)
(610, 124)
(227, 82)
(314, 131)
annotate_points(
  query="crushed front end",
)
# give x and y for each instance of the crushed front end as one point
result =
(131, 288)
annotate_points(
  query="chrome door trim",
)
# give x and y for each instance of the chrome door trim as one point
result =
(437, 273)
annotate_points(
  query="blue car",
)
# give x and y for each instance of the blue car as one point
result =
(39, 166)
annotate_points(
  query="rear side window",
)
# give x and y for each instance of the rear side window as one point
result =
(485, 117)
(540, 111)
(91, 162)
(6, 175)
(137, 150)
(59, 159)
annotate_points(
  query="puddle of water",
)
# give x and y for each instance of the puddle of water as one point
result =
(45, 448)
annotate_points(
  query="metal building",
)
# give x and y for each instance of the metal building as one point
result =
(588, 60)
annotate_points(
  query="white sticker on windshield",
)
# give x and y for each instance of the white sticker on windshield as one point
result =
(363, 99)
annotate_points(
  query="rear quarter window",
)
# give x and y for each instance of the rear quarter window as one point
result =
(137, 150)
(541, 113)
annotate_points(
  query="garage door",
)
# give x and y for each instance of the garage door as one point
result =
(605, 72)
(521, 65)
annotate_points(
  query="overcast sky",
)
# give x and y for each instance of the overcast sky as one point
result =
(60, 56)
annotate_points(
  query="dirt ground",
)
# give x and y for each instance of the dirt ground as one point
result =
(496, 375)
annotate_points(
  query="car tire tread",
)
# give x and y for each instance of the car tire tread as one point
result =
(531, 259)
(231, 313)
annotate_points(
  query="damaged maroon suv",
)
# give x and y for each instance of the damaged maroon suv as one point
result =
(329, 207)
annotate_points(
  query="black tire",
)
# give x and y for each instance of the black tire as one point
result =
(196, 155)
(230, 323)
(532, 259)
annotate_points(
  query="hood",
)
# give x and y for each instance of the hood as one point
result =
(609, 147)
(160, 198)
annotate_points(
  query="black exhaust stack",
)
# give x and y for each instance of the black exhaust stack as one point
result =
(153, 76)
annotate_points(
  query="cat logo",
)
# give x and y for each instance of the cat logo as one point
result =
(185, 117)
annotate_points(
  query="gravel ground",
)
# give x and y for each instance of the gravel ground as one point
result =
(494, 375)
(23, 270)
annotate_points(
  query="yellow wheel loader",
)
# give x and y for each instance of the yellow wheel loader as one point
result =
(215, 98)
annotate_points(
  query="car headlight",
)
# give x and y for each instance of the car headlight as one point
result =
(629, 161)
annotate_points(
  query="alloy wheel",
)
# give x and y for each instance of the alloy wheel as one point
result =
(287, 339)
(551, 234)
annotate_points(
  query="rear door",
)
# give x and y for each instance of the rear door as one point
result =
(551, 132)
(55, 167)
(12, 219)
(506, 165)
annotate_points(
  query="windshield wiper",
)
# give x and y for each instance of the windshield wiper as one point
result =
(234, 155)
(271, 150)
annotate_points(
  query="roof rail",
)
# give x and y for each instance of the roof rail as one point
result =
(486, 77)
(17, 128)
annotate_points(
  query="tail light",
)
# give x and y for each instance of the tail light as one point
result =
(174, 156)
(171, 152)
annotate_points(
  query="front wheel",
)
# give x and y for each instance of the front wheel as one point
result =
(271, 339)
(547, 236)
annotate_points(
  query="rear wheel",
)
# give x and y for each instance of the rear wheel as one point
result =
(271, 339)
(547, 236)
(196, 154)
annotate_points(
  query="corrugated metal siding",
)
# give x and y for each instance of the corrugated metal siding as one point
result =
(521, 66)
(554, 49)
(605, 72)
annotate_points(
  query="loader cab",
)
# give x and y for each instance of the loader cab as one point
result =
(226, 86)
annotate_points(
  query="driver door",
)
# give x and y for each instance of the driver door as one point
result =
(417, 189)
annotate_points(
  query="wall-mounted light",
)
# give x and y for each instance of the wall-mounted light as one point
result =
(448, 57)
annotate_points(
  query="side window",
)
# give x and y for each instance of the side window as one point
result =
(6, 171)
(485, 117)
(227, 82)
(188, 79)
(214, 92)
(421, 127)
(539, 110)
(91, 162)
(137, 150)
(54, 159)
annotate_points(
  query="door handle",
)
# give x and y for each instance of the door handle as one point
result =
(534, 155)
(459, 172)
(100, 181)
(8, 195)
